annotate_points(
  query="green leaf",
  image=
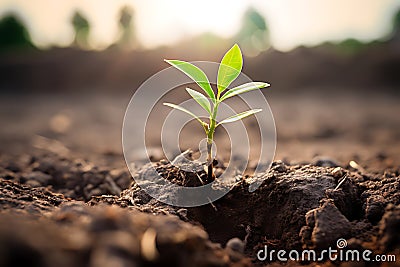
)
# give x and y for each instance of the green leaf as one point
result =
(201, 99)
(186, 111)
(240, 116)
(243, 89)
(195, 74)
(230, 67)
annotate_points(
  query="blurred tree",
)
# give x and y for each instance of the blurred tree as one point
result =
(396, 26)
(82, 29)
(351, 46)
(13, 34)
(253, 36)
(127, 39)
(396, 20)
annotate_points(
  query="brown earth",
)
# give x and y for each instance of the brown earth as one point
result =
(67, 198)
(57, 210)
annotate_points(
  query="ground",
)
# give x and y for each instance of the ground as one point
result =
(67, 198)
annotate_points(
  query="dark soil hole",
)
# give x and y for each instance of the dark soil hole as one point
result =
(224, 219)
(275, 211)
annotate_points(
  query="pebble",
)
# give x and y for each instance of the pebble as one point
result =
(236, 244)
(279, 166)
(337, 172)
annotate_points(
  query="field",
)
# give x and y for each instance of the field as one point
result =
(68, 199)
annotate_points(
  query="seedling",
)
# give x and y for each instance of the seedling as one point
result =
(229, 69)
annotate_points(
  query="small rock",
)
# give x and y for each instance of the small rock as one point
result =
(279, 166)
(338, 172)
(236, 244)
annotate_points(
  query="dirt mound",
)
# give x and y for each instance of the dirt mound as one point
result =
(296, 206)
(275, 211)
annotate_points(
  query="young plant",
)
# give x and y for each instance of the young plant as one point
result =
(229, 70)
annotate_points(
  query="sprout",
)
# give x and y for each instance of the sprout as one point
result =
(229, 70)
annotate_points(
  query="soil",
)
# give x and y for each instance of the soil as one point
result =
(60, 211)
(67, 198)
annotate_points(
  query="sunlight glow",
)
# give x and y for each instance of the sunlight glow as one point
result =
(164, 22)
(159, 22)
(309, 22)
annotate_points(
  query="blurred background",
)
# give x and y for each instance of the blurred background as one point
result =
(68, 69)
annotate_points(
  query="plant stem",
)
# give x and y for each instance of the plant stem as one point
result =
(210, 137)
(210, 160)
(210, 171)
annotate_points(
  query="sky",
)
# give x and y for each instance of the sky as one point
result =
(165, 22)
